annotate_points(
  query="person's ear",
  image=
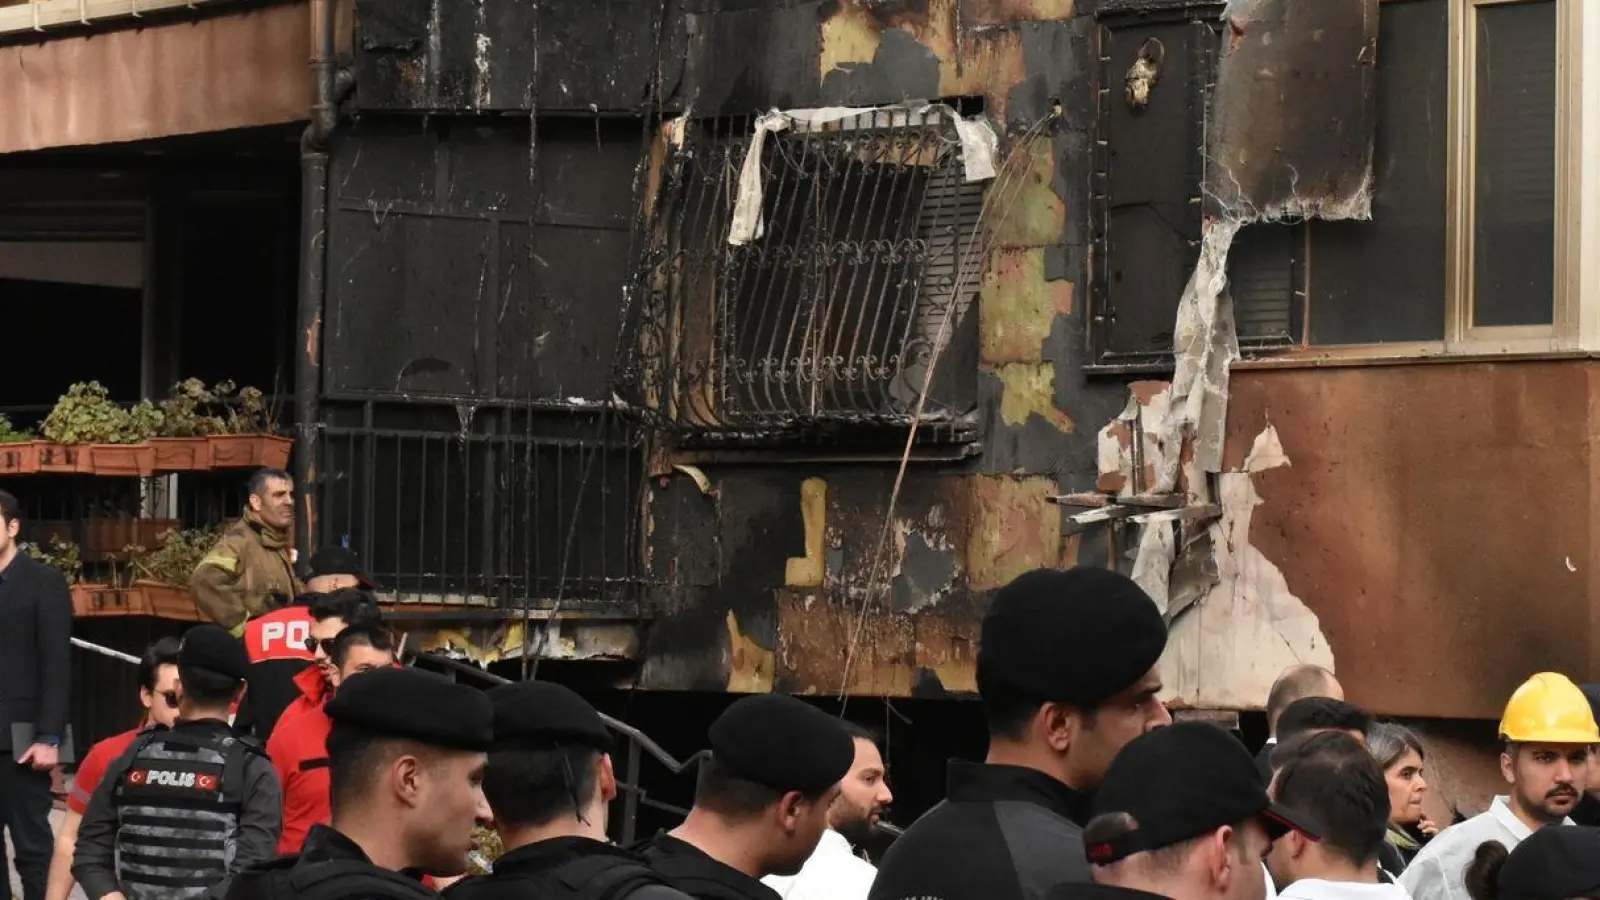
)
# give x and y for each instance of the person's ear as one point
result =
(1298, 844)
(405, 779)
(791, 809)
(606, 776)
(1220, 859)
(1060, 725)
(1508, 768)
(255, 502)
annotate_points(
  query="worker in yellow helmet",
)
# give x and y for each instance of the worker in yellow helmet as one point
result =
(1548, 729)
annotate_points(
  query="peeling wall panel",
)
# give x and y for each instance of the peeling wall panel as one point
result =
(1294, 109)
(1436, 519)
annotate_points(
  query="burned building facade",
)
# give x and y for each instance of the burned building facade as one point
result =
(751, 344)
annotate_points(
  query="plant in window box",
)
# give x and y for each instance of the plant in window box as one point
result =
(83, 415)
(246, 435)
(87, 599)
(181, 444)
(19, 449)
(129, 452)
(162, 574)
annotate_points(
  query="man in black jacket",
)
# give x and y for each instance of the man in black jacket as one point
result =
(35, 664)
(1066, 671)
(550, 782)
(194, 788)
(406, 760)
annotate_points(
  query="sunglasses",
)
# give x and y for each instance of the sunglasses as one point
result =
(327, 644)
(170, 698)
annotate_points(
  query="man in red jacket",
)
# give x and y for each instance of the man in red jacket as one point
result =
(279, 643)
(298, 745)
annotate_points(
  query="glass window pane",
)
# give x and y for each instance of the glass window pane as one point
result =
(1514, 170)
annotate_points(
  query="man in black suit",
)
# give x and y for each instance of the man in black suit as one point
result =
(35, 664)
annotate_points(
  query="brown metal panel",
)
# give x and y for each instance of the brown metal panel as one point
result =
(219, 73)
(1436, 519)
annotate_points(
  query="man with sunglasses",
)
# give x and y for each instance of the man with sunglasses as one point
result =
(158, 694)
(298, 747)
(280, 643)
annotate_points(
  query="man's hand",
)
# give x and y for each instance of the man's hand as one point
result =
(114, 895)
(42, 757)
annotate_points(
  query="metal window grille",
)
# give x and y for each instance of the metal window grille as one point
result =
(870, 251)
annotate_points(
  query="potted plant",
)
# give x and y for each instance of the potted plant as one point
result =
(245, 436)
(87, 599)
(85, 415)
(162, 575)
(19, 449)
(181, 444)
(129, 451)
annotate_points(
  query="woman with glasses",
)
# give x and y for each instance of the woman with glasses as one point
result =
(158, 694)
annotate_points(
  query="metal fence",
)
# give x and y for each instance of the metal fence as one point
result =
(499, 505)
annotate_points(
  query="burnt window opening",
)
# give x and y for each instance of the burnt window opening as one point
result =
(1157, 66)
(1350, 283)
(866, 267)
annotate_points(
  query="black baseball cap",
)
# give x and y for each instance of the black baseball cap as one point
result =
(336, 560)
(1181, 782)
(1554, 863)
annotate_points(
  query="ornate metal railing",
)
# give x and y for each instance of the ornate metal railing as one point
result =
(868, 244)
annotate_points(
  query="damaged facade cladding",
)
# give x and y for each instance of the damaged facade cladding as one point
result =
(794, 555)
(778, 563)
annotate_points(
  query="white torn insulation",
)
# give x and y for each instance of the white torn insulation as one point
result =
(1249, 626)
(979, 147)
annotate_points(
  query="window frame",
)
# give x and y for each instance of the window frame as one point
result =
(1576, 303)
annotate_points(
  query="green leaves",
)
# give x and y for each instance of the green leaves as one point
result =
(85, 414)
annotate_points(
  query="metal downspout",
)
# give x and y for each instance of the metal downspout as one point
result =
(329, 84)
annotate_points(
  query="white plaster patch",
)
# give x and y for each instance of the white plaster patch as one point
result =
(1249, 627)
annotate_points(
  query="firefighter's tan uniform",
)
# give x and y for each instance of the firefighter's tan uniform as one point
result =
(247, 573)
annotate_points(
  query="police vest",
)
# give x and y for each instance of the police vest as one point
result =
(177, 798)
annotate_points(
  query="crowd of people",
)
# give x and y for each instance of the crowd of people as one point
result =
(291, 752)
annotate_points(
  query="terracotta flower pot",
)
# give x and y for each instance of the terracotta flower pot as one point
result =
(234, 451)
(167, 602)
(98, 600)
(123, 460)
(65, 458)
(187, 454)
(20, 458)
(275, 451)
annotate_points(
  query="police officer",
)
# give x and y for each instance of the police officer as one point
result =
(183, 810)
(549, 783)
(250, 570)
(761, 804)
(1067, 675)
(1184, 813)
(406, 760)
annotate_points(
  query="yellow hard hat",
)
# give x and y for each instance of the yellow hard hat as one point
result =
(1549, 709)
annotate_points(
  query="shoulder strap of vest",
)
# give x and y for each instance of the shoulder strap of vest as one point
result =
(113, 775)
(235, 758)
(605, 878)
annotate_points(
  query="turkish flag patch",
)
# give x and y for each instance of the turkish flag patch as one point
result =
(206, 782)
(138, 776)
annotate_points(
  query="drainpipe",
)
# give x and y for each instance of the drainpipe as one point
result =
(330, 84)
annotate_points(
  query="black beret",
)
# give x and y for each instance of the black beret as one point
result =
(215, 650)
(783, 743)
(415, 705)
(535, 715)
(1078, 636)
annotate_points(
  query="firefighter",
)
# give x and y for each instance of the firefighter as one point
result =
(1067, 675)
(761, 803)
(195, 789)
(1183, 813)
(1549, 731)
(250, 569)
(549, 783)
(406, 761)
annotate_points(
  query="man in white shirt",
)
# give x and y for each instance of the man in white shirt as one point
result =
(1331, 779)
(834, 871)
(1549, 731)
